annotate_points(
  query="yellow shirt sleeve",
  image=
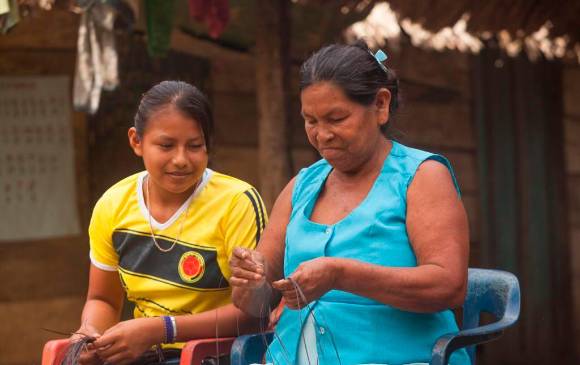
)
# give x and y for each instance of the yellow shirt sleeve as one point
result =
(245, 222)
(103, 254)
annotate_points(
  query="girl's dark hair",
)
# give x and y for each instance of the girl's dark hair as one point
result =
(186, 98)
(355, 70)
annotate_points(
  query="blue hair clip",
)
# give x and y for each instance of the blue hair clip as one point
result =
(381, 56)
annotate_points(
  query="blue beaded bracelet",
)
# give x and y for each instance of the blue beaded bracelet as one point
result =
(169, 330)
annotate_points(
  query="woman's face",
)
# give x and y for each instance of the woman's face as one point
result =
(173, 150)
(344, 132)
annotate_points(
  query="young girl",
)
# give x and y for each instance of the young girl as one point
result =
(164, 236)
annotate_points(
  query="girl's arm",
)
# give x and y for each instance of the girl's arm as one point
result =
(127, 340)
(104, 302)
(102, 309)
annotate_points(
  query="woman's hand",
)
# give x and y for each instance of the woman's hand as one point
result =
(126, 341)
(311, 280)
(248, 268)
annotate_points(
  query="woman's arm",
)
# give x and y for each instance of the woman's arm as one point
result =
(438, 231)
(252, 271)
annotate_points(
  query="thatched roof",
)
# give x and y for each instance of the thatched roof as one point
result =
(547, 27)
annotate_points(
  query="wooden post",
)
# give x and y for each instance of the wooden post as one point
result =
(272, 68)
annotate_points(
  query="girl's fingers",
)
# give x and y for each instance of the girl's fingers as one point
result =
(246, 274)
(241, 253)
(106, 353)
(103, 342)
(117, 359)
(243, 258)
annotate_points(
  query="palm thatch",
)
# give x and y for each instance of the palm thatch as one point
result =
(540, 27)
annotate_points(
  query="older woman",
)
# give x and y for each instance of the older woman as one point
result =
(368, 246)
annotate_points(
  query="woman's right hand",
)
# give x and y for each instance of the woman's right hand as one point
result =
(248, 268)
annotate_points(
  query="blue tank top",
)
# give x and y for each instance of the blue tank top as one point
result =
(351, 329)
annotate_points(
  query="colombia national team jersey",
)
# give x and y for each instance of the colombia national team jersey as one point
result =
(223, 213)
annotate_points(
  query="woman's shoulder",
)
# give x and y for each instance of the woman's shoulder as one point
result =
(403, 151)
(432, 164)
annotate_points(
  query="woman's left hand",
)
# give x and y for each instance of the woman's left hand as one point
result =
(126, 341)
(314, 278)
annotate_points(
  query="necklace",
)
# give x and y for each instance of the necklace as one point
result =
(151, 225)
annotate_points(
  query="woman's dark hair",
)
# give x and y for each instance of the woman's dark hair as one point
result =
(355, 70)
(187, 99)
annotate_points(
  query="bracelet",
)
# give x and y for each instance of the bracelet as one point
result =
(169, 329)
(174, 323)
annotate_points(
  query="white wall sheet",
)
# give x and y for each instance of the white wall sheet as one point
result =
(37, 169)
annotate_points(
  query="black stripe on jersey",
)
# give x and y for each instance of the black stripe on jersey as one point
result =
(256, 212)
(262, 209)
(138, 254)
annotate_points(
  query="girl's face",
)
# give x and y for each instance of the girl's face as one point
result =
(344, 132)
(173, 150)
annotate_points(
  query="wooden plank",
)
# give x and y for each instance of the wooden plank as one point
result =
(55, 29)
(572, 144)
(465, 167)
(575, 245)
(22, 63)
(446, 125)
(472, 208)
(22, 335)
(237, 161)
(448, 70)
(240, 161)
(571, 91)
(29, 266)
(236, 118)
(231, 71)
(574, 200)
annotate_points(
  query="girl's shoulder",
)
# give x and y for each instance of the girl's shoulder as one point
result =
(225, 184)
(123, 189)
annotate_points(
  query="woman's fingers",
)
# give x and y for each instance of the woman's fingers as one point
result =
(292, 292)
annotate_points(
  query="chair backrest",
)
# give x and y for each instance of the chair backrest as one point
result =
(493, 291)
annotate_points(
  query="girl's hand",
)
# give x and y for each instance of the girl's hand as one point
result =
(248, 268)
(126, 341)
(88, 357)
(314, 278)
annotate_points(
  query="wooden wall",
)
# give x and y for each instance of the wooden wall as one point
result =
(571, 81)
(44, 281)
(436, 116)
(232, 88)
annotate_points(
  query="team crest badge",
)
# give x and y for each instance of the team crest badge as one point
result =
(191, 266)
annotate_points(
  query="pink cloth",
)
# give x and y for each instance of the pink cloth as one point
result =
(215, 13)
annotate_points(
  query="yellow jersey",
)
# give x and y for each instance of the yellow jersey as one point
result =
(222, 213)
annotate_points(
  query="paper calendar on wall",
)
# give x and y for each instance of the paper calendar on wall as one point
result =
(37, 171)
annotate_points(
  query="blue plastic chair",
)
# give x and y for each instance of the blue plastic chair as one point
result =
(493, 291)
